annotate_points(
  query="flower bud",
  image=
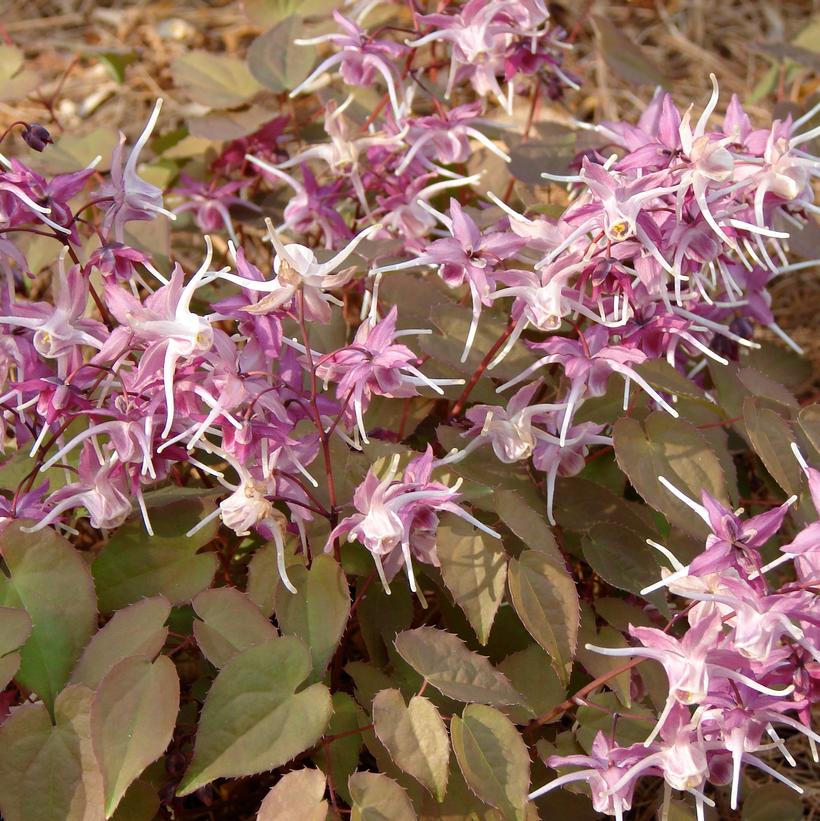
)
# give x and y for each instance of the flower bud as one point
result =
(37, 136)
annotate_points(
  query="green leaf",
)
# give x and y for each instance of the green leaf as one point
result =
(453, 323)
(447, 664)
(50, 772)
(381, 617)
(138, 630)
(624, 56)
(551, 149)
(597, 664)
(116, 61)
(676, 450)
(39, 252)
(474, 568)
(546, 601)
(51, 582)
(15, 628)
(9, 665)
(482, 466)
(415, 737)
(713, 424)
(340, 757)
(493, 758)
(369, 680)
(14, 82)
(597, 717)
(297, 796)
(254, 717)
(575, 513)
(276, 61)
(772, 802)
(318, 611)
(663, 376)
(771, 437)
(229, 125)
(214, 80)
(809, 422)
(263, 578)
(11, 61)
(621, 557)
(231, 623)
(529, 524)
(132, 566)
(460, 803)
(266, 13)
(620, 614)
(534, 677)
(132, 721)
(378, 798)
(73, 151)
(779, 363)
(763, 385)
(140, 803)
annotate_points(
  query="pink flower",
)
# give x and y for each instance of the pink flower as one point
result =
(166, 325)
(390, 513)
(375, 364)
(132, 198)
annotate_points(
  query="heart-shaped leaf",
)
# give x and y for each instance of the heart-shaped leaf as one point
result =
(676, 450)
(276, 61)
(50, 581)
(297, 796)
(415, 736)
(230, 623)
(255, 718)
(50, 771)
(15, 628)
(138, 630)
(132, 566)
(378, 798)
(132, 721)
(317, 612)
(214, 80)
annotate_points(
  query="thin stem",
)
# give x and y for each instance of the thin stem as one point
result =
(572, 701)
(13, 125)
(317, 418)
(479, 371)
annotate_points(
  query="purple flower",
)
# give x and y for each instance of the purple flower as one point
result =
(59, 329)
(102, 489)
(210, 203)
(390, 513)
(360, 58)
(603, 769)
(466, 256)
(37, 136)
(131, 198)
(299, 272)
(375, 364)
(166, 325)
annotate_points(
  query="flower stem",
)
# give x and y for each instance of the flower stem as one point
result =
(468, 389)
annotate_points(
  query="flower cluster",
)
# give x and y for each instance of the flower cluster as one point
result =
(747, 663)
(249, 377)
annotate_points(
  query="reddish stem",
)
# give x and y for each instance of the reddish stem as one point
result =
(479, 371)
(317, 418)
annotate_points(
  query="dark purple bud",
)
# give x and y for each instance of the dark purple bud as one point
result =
(723, 346)
(742, 327)
(36, 136)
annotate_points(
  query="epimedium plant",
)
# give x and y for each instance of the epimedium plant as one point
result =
(385, 510)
